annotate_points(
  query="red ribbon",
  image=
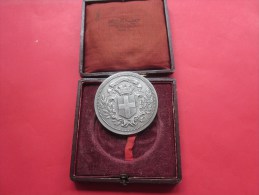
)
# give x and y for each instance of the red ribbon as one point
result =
(129, 147)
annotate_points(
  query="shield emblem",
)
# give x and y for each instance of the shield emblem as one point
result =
(127, 106)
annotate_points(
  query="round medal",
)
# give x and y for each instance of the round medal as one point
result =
(126, 103)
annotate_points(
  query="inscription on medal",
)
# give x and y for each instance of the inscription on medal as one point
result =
(126, 103)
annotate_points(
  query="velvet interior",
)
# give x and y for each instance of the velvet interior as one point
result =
(126, 36)
(101, 153)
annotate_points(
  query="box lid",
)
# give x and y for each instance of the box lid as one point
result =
(111, 49)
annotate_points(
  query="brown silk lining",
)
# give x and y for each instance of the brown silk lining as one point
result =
(126, 36)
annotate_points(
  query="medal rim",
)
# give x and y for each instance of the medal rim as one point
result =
(104, 83)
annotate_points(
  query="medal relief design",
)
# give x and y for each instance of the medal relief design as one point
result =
(126, 103)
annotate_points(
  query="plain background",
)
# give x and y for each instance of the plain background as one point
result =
(216, 49)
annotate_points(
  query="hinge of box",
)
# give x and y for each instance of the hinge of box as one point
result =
(124, 179)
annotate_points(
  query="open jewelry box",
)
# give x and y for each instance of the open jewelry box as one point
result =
(116, 36)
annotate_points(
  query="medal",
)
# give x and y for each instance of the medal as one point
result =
(126, 103)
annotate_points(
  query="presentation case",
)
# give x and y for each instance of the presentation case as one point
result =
(112, 41)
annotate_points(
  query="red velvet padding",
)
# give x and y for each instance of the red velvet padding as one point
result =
(128, 35)
(101, 153)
